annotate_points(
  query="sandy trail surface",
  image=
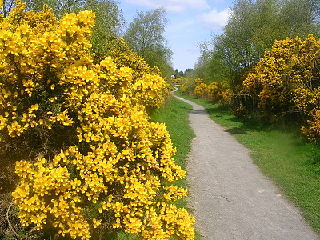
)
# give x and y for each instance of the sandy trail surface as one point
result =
(230, 196)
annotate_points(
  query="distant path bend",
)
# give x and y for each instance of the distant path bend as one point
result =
(231, 198)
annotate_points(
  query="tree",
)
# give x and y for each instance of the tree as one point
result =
(209, 66)
(145, 35)
(59, 7)
(108, 23)
(146, 31)
(178, 74)
(252, 28)
(299, 16)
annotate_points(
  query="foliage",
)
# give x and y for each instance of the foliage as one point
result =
(146, 36)
(251, 30)
(216, 92)
(90, 160)
(179, 80)
(312, 129)
(108, 24)
(210, 66)
(178, 74)
(286, 82)
(59, 7)
(189, 85)
(6, 6)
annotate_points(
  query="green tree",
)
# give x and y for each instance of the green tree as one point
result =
(210, 66)
(145, 35)
(178, 74)
(59, 7)
(299, 17)
(252, 29)
(108, 24)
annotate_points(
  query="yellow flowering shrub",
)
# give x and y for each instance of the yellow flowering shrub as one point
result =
(201, 90)
(152, 93)
(312, 129)
(188, 86)
(91, 159)
(217, 92)
(179, 80)
(286, 81)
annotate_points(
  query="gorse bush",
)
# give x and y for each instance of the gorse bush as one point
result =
(90, 159)
(188, 86)
(286, 83)
(216, 92)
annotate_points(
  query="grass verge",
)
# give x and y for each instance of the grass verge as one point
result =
(175, 114)
(283, 156)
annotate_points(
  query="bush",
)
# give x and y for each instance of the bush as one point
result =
(90, 159)
(216, 92)
(286, 82)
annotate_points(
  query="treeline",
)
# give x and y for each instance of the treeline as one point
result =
(273, 46)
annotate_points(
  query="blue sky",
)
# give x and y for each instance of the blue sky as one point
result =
(190, 22)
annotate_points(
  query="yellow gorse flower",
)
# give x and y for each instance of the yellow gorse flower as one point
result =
(217, 92)
(111, 156)
(286, 81)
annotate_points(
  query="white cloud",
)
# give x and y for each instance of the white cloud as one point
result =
(215, 19)
(172, 5)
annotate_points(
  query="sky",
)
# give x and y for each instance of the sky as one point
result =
(190, 22)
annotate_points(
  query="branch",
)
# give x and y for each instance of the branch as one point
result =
(8, 220)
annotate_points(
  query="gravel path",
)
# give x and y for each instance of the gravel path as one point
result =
(231, 198)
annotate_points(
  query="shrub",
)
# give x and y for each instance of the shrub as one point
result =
(90, 160)
(286, 81)
(216, 92)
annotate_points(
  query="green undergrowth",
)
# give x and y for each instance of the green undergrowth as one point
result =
(174, 114)
(282, 154)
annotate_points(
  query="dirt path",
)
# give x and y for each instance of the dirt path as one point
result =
(230, 196)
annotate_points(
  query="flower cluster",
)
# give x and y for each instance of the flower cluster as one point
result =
(178, 80)
(150, 89)
(217, 92)
(286, 82)
(107, 165)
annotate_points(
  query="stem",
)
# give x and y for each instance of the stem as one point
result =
(8, 220)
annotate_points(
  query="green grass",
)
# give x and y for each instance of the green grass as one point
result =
(174, 114)
(284, 156)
